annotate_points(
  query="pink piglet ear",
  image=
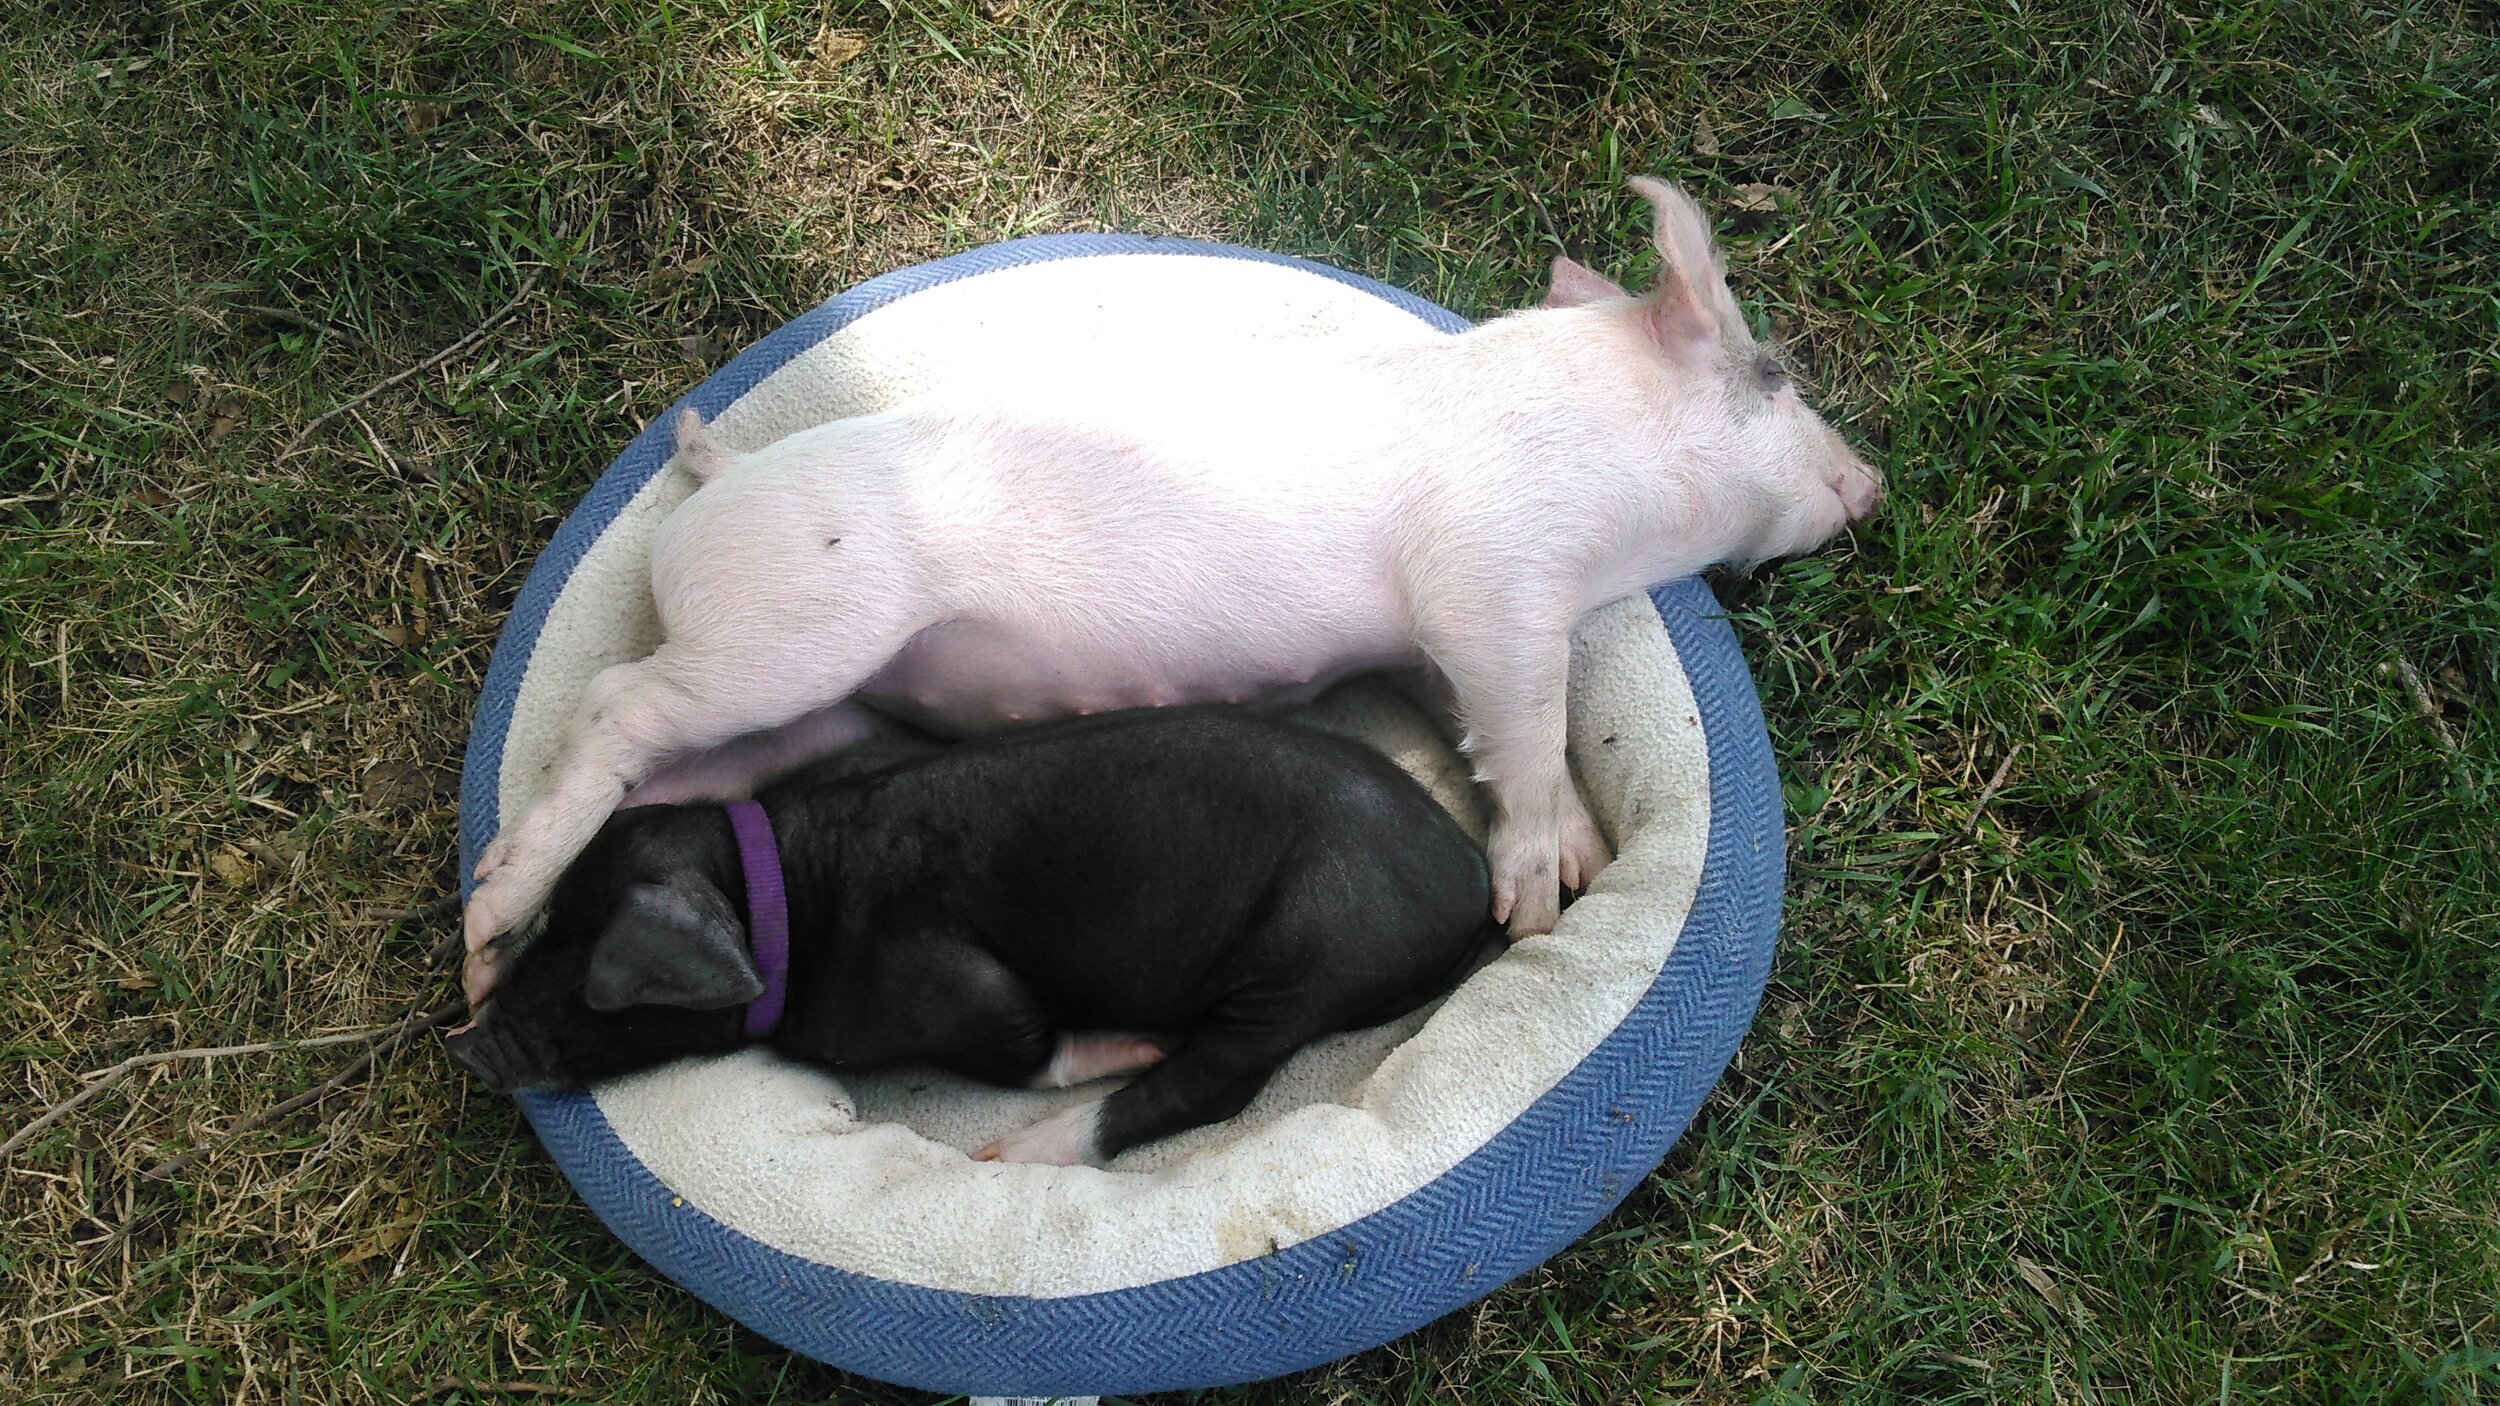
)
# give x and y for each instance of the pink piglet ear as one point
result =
(1683, 313)
(1575, 283)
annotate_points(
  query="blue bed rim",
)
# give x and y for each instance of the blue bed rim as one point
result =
(1532, 1189)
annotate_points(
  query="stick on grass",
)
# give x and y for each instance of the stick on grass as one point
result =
(476, 336)
(118, 1072)
(397, 1037)
(474, 1387)
(442, 907)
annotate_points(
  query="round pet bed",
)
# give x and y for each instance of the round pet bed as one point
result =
(1386, 1177)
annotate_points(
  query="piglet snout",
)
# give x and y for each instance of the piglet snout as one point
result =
(1855, 480)
(482, 1054)
(503, 1059)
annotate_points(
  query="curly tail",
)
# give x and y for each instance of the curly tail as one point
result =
(696, 454)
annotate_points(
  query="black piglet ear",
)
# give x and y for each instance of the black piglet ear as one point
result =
(670, 946)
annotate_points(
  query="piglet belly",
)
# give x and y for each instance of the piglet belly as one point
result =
(972, 676)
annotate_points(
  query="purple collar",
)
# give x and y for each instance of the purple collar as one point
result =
(768, 914)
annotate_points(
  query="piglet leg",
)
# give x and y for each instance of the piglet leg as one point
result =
(738, 768)
(1211, 1077)
(1583, 847)
(1509, 678)
(638, 715)
(1071, 1137)
(1081, 1059)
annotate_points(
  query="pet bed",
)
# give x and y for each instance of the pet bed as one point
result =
(1384, 1178)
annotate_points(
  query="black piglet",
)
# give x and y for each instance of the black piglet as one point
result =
(1186, 894)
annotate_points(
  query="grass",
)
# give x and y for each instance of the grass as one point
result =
(2136, 1033)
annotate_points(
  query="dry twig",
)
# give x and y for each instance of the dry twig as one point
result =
(395, 1036)
(2067, 1040)
(452, 945)
(118, 1072)
(476, 336)
(382, 454)
(449, 1385)
(442, 907)
(1544, 217)
(1933, 859)
(2425, 708)
(2434, 720)
(304, 320)
(400, 1035)
(1988, 793)
(427, 912)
